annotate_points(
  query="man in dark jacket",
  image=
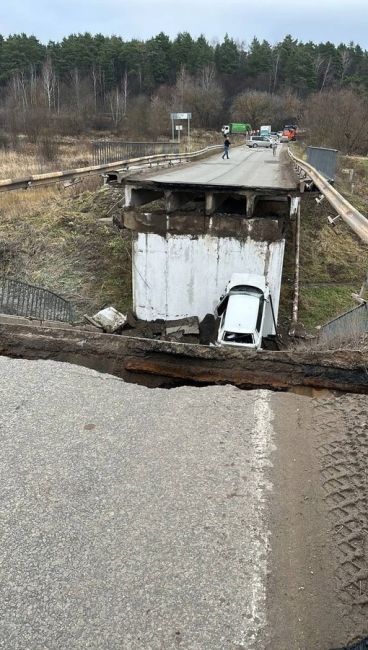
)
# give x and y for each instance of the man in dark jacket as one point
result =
(226, 148)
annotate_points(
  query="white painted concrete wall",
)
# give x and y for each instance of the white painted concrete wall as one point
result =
(178, 276)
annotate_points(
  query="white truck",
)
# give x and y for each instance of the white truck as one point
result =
(265, 130)
(246, 312)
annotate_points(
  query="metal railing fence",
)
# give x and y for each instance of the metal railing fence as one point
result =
(323, 160)
(22, 299)
(348, 325)
(105, 151)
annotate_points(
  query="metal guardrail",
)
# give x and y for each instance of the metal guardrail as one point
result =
(355, 219)
(106, 151)
(22, 299)
(57, 177)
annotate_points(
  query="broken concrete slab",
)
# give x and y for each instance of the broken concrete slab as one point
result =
(165, 363)
(183, 325)
(109, 319)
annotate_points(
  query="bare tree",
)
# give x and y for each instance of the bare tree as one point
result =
(49, 82)
(181, 85)
(327, 70)
(337, 119)
(76, 83)
(254, 107)
(116, 103)
(19, 89)
(124, 85)
(208, 76)
(345, 63)
(276, 69)
(33, 84)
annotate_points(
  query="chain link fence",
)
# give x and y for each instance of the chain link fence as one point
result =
(22, 299)
(106, 151)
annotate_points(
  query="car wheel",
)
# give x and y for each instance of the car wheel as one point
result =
(255, 145)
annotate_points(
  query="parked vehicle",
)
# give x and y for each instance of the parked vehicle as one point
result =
(236, 127)
(246, 312)
(265, 130)
(259, 141)
(290, 131)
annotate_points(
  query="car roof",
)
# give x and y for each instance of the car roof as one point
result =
(241, 313)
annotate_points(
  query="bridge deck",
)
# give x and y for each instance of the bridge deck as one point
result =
(245, 169)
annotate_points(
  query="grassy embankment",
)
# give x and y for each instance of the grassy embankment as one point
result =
(333, 261)
(53, 156)
(52, 237)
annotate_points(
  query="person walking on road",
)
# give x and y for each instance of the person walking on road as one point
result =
(227, 144)
(274, 147)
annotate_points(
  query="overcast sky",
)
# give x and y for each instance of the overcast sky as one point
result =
(316, 20)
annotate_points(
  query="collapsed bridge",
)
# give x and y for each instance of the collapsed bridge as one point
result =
(214, 218)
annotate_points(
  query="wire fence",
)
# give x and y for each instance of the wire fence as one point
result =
(22, 299)
(106, 151)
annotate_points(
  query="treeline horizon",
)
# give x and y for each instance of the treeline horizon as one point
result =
(292, 64)
(96, 82)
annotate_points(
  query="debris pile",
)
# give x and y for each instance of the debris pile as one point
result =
(183, 330)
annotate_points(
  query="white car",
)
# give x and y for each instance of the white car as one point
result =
(259, 141)
(242, 311)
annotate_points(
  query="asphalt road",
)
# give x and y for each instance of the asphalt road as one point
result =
(246, 167)
(191, 518)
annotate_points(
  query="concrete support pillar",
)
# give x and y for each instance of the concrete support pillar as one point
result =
(294, 206)
(176, 200)
(213, 202)
(251, 200)
(134, 197)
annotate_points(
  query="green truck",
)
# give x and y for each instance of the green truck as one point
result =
(236, 127)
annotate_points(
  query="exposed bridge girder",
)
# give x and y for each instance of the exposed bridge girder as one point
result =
(175, 200)
(137, 196)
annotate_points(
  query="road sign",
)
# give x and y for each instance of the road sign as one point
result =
(181, 116)
(179, 127)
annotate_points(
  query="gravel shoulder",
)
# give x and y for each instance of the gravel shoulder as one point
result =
(317, 587)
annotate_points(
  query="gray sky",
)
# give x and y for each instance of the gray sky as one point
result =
(316, 20)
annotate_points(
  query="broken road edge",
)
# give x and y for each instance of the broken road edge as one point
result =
(156, 363)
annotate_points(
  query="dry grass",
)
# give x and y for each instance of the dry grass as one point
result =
(333, 264)
(29, 159)
(200, 140)
(53, 238)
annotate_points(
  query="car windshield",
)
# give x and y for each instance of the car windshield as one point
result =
(236, 337)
